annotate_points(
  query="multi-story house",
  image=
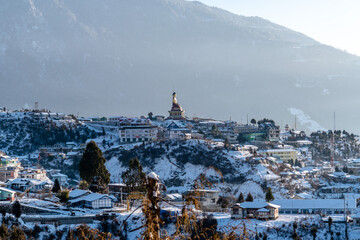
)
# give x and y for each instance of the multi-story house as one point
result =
(137, 130)
(9, 167)
(286, 155)
(30, 173)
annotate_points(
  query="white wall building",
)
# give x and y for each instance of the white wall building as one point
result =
(316, 206)
(141, 133)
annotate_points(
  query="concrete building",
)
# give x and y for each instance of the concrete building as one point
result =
(207, 199)
(176, 130)
(9, 167)
(7, 194)
(138, 133)
(316, 206)
(31, 173)
(285, 155)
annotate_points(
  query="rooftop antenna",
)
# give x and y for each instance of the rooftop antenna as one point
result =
(247, 119)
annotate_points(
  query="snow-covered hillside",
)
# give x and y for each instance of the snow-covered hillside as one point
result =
(22, 133)
(180, 163)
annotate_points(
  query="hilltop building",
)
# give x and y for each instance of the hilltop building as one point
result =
(176, 112)
(133, 130)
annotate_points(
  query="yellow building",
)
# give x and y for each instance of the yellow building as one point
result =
(286, 155)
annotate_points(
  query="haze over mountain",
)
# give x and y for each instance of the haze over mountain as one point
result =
(121, 57)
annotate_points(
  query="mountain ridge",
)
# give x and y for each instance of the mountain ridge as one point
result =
(126, 57)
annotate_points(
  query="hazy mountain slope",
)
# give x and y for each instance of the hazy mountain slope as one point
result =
(125, 57)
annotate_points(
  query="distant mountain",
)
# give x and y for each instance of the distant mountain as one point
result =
(121, 57)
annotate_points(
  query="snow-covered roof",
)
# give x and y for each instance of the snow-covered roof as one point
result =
(25, 181)
(305, 195)
(257, 204)
(174, 196)
(153, 176)
(315, 203)
(263, 210)
(7, 190)
(77, 193)
(58, 175)
(89, 198)
(278, 150)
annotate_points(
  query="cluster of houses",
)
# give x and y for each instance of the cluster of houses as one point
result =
(177, 127)
(14, 176)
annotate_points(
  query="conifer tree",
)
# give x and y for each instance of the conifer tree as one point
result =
(249, 198)
(269, 195)
(92, 164)
(313, 232)
(134, 177)
(56, 188)
(16, 209)
(241, 198)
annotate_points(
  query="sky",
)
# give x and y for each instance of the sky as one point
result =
(332, 22)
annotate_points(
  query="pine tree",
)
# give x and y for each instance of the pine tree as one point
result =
(313, 232)
(56, 188)
(16, 209)
(269, 196)
(249, 198)
(92, 164)
(63, 196)
(241, 198)
(134, 177)
(226, 144)
(330, 222)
